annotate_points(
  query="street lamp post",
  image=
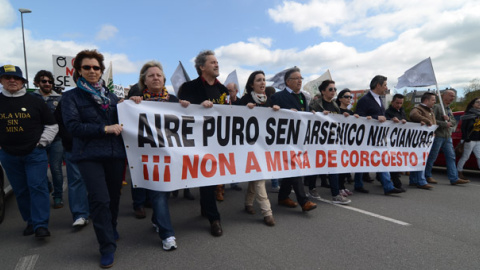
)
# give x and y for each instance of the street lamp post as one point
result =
(24, 10)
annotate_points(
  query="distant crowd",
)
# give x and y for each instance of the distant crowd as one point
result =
(43, 129)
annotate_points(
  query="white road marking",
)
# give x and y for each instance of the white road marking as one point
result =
(399, 222)
(27, 262)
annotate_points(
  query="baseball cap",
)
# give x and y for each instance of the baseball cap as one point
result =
(12, 71)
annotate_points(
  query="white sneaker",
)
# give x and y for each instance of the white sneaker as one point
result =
(339, 199)
(343, 193)
(155, 227)
(169, 243)
(314, 194)
(275, 189)
(80, 222)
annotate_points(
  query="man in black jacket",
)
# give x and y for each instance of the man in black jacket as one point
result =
(371, 106)
(206, 90)
(395, 112)
(292, 98)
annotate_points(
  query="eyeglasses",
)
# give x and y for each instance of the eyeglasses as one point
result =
(47, 81)
(86, 67)
(9, 77)
(347, 96)
(296, 79)
(331, 89)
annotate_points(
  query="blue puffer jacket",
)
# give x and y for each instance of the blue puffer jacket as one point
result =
(85, 120)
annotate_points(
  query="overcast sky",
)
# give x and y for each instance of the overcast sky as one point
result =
(355, 40)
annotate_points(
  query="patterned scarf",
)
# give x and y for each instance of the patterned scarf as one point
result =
(259, 98)
(160, 96)
(97, 91)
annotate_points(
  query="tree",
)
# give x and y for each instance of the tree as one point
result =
(408, 104)
(471, 91)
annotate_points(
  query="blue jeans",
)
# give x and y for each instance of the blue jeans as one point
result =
(161, 213)
(55, 159)
(447, 147)
(139, 197)
(384, 179)
(334, 184)
(418, 178)
(27, 175)
(77, 192)
(275, 183)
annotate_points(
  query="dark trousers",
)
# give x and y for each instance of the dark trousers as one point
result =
(334, 184)
(208, 203)
(342, 178)
(310, 181)
(395, 176)
(297, 185)
(103, 180)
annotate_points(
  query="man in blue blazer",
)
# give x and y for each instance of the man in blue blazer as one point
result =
(371, 106)
(292, 98)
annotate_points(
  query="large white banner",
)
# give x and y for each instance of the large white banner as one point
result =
(170, 147)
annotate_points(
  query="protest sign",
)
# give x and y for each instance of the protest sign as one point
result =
(119, 91)
(63, 71)
(170, 147)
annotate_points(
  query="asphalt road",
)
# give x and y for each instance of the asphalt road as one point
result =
(437, 229)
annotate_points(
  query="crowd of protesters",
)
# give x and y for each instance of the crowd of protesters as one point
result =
(81, 128)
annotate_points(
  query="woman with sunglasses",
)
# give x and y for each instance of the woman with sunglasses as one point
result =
(90, 114)
(343, 100)
(256, 97)
(324, 103)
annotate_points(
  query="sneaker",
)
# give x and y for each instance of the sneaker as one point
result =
(169, 243)
(57, 203)
(80, 222)
(343, 193)
(313, 194)
(339, 199)
(155, 227)
(349, 193)
(275, 189)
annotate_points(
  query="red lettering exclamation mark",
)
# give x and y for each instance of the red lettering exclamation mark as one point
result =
(156, 177)
(145, 168)
(166, 172)
(425, 156)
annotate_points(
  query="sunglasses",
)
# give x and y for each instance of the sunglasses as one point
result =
(86, 67)
(47, 81)
(331, 89)
(347, 96)
(9, 77)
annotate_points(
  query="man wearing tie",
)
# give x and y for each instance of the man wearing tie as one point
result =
(371, 106)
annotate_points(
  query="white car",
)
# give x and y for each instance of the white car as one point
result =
(6, 190)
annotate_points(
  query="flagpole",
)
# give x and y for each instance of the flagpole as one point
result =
(438, 91)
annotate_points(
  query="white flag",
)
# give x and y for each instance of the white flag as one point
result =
(420, 75)
(279, 79)
(108, 77)
(179, 77)
(232, 78)
(312, 86)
